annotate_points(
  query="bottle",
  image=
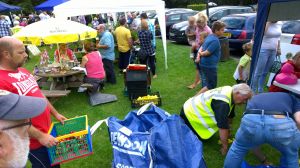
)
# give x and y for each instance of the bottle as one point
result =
(35, 70)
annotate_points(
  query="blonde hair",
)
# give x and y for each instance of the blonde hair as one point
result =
(203, 34)
(202, 18)
(247, 47)
(192, 18)
(144, 25)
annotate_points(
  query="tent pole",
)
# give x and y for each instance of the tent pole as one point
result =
(11, 19)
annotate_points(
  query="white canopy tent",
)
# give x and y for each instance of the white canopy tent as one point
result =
(87, 7)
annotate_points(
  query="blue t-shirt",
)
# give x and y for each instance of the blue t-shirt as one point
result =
(152, 30)
(212, 44)
(107, 39)
(275, 101)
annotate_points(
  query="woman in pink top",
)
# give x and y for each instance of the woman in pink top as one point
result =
(24, 22)
(201, 26)
(92, 61)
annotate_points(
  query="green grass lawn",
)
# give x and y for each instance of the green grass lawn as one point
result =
(171, 84)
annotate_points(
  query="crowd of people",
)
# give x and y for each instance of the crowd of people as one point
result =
(99, 63)
(108, 37)
(208, 112)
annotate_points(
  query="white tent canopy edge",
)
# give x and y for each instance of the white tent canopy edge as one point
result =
(87, 7)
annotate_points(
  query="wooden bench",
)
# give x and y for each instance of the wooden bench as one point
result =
(55, 93)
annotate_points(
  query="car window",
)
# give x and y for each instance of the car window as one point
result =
(174, 17)
(248, 10)
(292, 27)
(234, 22)
(219, 15)
(236, 11)
(251, 23)
(186, 16)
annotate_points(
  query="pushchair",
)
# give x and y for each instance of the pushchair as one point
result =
(134, 58)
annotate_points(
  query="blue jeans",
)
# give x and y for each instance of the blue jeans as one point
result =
(263, 66)
(256, 129)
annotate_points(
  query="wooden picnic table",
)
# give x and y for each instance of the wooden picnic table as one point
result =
(60, 77)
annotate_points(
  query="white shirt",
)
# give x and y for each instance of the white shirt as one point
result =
(272, 36)
(43, 16)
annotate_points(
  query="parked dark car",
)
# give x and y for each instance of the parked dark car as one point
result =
(176, 16)
(177, 31)
(239, 29)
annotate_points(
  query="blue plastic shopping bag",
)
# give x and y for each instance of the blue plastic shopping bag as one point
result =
(153, 138)
(173, 144)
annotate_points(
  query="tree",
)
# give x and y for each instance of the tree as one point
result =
(26, 5)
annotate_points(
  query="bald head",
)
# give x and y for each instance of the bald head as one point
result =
(7, 43)
(101, 26)
(12, 53)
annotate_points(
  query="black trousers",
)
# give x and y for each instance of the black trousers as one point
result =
(150, 61)
(151, 64)
(109, 71)
(97, 83)
(39, 158)
(124, 59)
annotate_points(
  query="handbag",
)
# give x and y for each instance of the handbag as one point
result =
(153, 138)
(276, 65)
(275, 68)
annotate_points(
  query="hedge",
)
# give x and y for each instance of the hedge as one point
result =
(197, 7)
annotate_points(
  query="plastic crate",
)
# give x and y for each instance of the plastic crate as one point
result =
(74, 138)
(138, 103)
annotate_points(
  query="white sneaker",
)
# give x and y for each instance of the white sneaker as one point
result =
(81, 89)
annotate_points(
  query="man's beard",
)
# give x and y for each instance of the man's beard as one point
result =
(22, 63)
(21, 150)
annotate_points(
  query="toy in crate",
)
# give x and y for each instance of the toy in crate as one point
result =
(74, 140)
(142, 100)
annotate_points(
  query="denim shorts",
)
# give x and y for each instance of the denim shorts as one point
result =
(210, 76)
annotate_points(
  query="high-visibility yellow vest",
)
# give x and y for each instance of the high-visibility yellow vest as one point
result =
(200, 114)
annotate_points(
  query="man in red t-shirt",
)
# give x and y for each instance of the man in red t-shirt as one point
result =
(19, 80)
